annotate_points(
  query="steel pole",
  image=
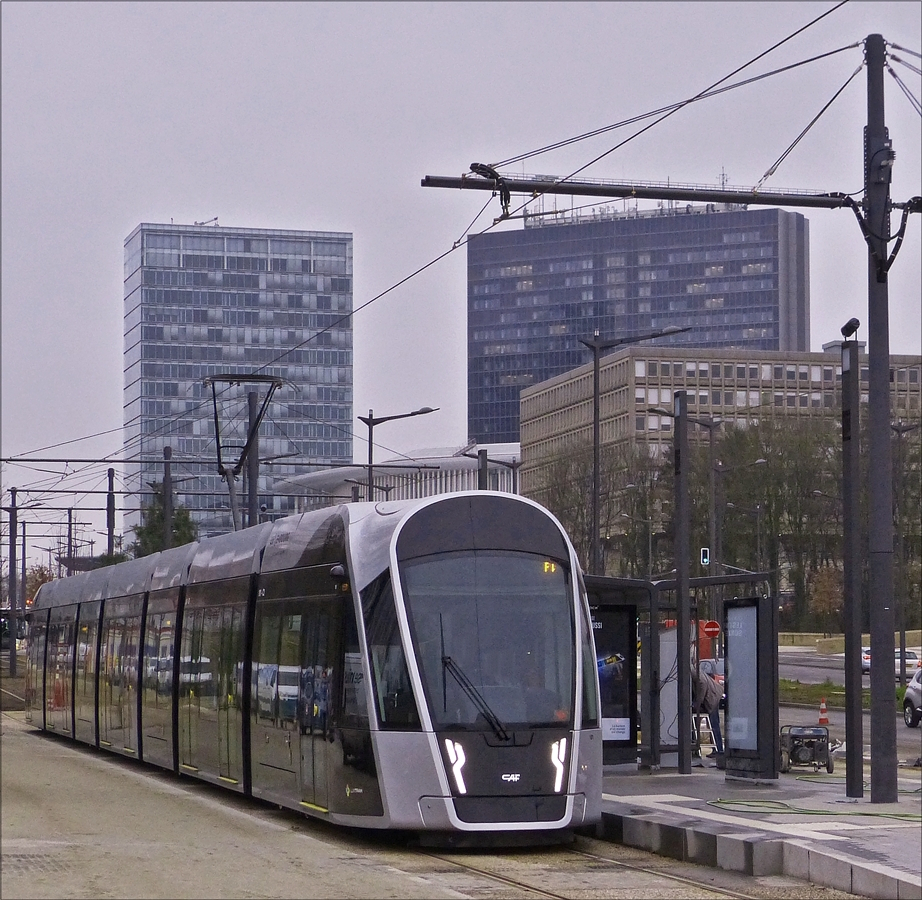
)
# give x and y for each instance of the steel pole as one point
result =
(22, 590)
(596, 547)
(110, 515)
(168, 499)
(370, 493)
(14, 625)
(854, 730)
(253, 460)
(712, 521)
(683, 604)
(878, 163)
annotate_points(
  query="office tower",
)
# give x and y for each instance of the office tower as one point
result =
(209, 302)
(737, 277)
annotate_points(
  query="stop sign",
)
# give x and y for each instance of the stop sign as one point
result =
(711, 628)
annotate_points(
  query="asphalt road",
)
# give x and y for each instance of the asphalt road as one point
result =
(805, 665)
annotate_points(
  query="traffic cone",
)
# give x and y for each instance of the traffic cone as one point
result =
(824, 716)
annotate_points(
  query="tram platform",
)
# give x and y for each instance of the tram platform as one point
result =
(802, 825)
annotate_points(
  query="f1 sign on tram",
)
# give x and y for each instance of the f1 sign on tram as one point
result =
(423, 665)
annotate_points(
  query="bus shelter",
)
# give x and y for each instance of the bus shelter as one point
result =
(634, 626)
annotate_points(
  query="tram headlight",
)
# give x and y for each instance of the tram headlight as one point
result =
(558, 758)
(457, 759)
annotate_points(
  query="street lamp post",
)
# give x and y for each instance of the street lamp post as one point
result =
(683, 527)
(711, 424)
(854, 717)
(371, 420)
(597, 345)
(14, 625)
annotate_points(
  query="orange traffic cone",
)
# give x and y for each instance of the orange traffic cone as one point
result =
(824, 716)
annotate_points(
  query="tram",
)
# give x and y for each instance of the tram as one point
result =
(422, 665)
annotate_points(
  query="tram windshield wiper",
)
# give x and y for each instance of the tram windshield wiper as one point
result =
(476, 697)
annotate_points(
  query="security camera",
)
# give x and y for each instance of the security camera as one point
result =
(849, 328)
(263, 507)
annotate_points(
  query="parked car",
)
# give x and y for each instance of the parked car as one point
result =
(912, 702)
(912, 662)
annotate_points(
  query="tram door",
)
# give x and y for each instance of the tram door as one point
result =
(210, 667)
(35, 669)
(321, 654)
(118, 675)
(59, 681)
(274, 700)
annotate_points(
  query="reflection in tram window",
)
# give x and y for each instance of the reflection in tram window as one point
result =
(391, 680)
(494, 635)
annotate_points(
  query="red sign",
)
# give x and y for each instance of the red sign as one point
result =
(711, 629)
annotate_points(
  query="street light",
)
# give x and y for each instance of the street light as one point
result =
(370, 420)
(597, 345)
(710, 423)
(683, 603)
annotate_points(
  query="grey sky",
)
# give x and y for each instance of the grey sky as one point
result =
(326, 116)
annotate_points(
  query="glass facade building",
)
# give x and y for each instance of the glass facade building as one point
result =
(207, 302)
(738, 278)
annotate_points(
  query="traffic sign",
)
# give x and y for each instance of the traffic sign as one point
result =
(711, 629)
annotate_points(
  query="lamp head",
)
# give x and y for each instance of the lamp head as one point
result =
(849, 328)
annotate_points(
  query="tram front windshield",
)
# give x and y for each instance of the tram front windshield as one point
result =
(493, 633)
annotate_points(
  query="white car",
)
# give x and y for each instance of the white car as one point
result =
(913, 663)
(912, 702)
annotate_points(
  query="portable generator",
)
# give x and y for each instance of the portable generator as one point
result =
(806, 745)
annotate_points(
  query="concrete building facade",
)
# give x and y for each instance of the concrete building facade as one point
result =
(737, 386)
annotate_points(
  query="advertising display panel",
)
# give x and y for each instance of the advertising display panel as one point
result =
(615, 633)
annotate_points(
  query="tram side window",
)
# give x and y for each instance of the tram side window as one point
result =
(391, 680)
(265, 666)
(355, 708)
(590, 674)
